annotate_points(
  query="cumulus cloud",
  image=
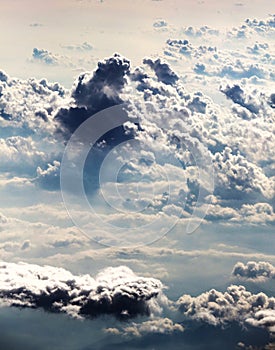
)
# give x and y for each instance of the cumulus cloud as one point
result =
(114, 291)
(254, 271)
(95, 91)
(235, 305)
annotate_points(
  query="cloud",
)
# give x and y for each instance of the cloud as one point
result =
(39, 100)
(160, 23)
(45, 56)
(254, 102)
(156, 326)
(199, 32)
(162, 71)
(49, 178)
(114, 291)
(237, 177)
(235, 305)
(94, 92)
(262, 26)
(36, 24)
(79, 47)
(254, 271)
(172, 121)
(19, 154)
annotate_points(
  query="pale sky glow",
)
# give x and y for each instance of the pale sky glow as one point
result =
(110, 26)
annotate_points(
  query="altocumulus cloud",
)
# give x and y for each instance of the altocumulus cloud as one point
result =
(114, 291)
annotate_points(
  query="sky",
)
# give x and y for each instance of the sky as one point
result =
(137, 174)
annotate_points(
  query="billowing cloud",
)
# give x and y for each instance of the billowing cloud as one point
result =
(114, 291)
(254, 271)
(94, 92)
(39, 100)
(236, 176)
(235, 305)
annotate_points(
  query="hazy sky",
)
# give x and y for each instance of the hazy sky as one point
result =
(109, 26)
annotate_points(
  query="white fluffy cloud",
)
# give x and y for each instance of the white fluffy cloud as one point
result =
(235, 305)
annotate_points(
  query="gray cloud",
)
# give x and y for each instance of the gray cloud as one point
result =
(162, 71)
(94, 92)
(114, 291)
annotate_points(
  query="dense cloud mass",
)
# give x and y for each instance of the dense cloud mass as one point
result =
(197, 100)
(253, 270)
(114, 291)
(95, 91)
(235, 305)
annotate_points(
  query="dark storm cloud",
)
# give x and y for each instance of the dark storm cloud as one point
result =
(114, 291)
(163, 72)
(94, 92)
(253, 270)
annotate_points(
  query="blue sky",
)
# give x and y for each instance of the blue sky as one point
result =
(158, 119)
